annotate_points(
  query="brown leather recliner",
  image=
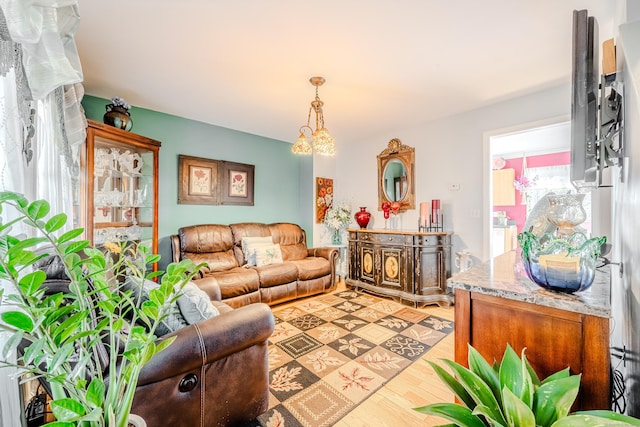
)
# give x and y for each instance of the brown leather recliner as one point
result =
(214, 374)
(303, 272)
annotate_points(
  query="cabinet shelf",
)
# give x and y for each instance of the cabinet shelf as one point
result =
(121, 224)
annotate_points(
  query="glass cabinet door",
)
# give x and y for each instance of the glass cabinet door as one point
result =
(120, 187)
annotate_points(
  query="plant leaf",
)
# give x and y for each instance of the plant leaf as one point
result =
(590, 421)
(454, 385)
(95, 392)
(67, 409)
(514, 375)
(460, 415)
(488, 418)
(11, 344)
(517, 412)
(565, 373)
(56, 222)
(532, 373)
(23, 244)
(610, 415)
(478, 389)
(31, 282)
(553, 399)
(38, 209)
(60, 357)
(70, 235)
(18, 320)
(76, 246)
(481, 367)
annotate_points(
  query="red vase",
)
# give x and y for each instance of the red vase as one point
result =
(362, 217)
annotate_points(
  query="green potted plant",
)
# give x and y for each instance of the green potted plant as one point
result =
(510, 393)
(64, 331)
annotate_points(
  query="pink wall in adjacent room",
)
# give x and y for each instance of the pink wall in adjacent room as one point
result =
(518, 212)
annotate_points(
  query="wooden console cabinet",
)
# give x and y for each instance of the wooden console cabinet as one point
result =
(409, 266)
(495, 305)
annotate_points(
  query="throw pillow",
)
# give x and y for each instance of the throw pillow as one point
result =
(249, 245)
(195, 305)
(266, 255)
(140, 292)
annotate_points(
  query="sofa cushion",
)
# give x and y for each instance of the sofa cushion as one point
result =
(312, 268)
(209, 243)
(247, 229)
(195, 305)
(277, 274)
(267, 255)
(237, 281)
(292, 240)
(250, 246)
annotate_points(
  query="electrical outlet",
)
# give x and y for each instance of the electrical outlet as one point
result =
(474, 213)
(454, 187)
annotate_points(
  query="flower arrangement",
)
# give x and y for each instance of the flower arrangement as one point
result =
(116, 101)
(338, 216)
(522, 183)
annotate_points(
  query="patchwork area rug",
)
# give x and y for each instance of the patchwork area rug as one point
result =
(329, 354)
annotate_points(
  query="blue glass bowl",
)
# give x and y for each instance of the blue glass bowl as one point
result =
(563, 265)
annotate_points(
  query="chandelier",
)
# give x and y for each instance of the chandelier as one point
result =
(323, 142)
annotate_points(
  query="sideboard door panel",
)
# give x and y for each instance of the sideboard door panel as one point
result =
(431, 271)
(393, 268)
(367, 263)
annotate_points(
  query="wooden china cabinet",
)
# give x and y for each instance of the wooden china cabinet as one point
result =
(119, 187)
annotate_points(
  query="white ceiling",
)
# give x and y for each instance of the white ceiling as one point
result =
(246, 65)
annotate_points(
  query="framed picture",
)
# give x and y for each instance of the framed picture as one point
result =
(324, 197)
(198, 181)
(237, 183)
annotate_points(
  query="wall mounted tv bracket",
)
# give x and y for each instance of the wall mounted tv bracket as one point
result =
(609, 145)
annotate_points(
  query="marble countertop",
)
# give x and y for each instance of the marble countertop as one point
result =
(504, 276)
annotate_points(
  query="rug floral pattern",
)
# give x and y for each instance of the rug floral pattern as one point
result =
(329, 354)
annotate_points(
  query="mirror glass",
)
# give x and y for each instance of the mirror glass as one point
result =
(396, 175)
(395, 180)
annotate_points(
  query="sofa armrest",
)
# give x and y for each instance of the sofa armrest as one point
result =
(175, 247)
(329, 253)
(222, 335)
(210, 286)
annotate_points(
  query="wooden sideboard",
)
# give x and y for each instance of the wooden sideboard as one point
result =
(410, 266)
(496, 304)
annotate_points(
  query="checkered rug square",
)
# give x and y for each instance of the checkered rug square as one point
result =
(329, 354)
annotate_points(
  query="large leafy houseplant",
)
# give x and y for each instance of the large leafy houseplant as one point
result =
(510, 394)
(63, 332)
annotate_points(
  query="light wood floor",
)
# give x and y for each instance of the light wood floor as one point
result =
(417, 385)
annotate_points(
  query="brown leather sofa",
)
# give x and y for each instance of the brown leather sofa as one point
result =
(303, 271)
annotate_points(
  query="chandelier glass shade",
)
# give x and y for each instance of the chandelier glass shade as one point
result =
(322, 141)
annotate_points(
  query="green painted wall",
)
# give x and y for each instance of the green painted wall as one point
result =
(277, 173)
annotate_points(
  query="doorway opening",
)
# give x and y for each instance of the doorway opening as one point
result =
(526, 165)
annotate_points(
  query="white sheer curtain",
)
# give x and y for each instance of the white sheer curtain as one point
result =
(42, 122)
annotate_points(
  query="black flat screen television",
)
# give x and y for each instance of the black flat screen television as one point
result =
(584, 100)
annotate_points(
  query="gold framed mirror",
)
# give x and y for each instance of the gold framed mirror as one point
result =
(396, 175)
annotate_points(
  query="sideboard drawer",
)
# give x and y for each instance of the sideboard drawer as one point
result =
(393, 239)
(437, 240)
